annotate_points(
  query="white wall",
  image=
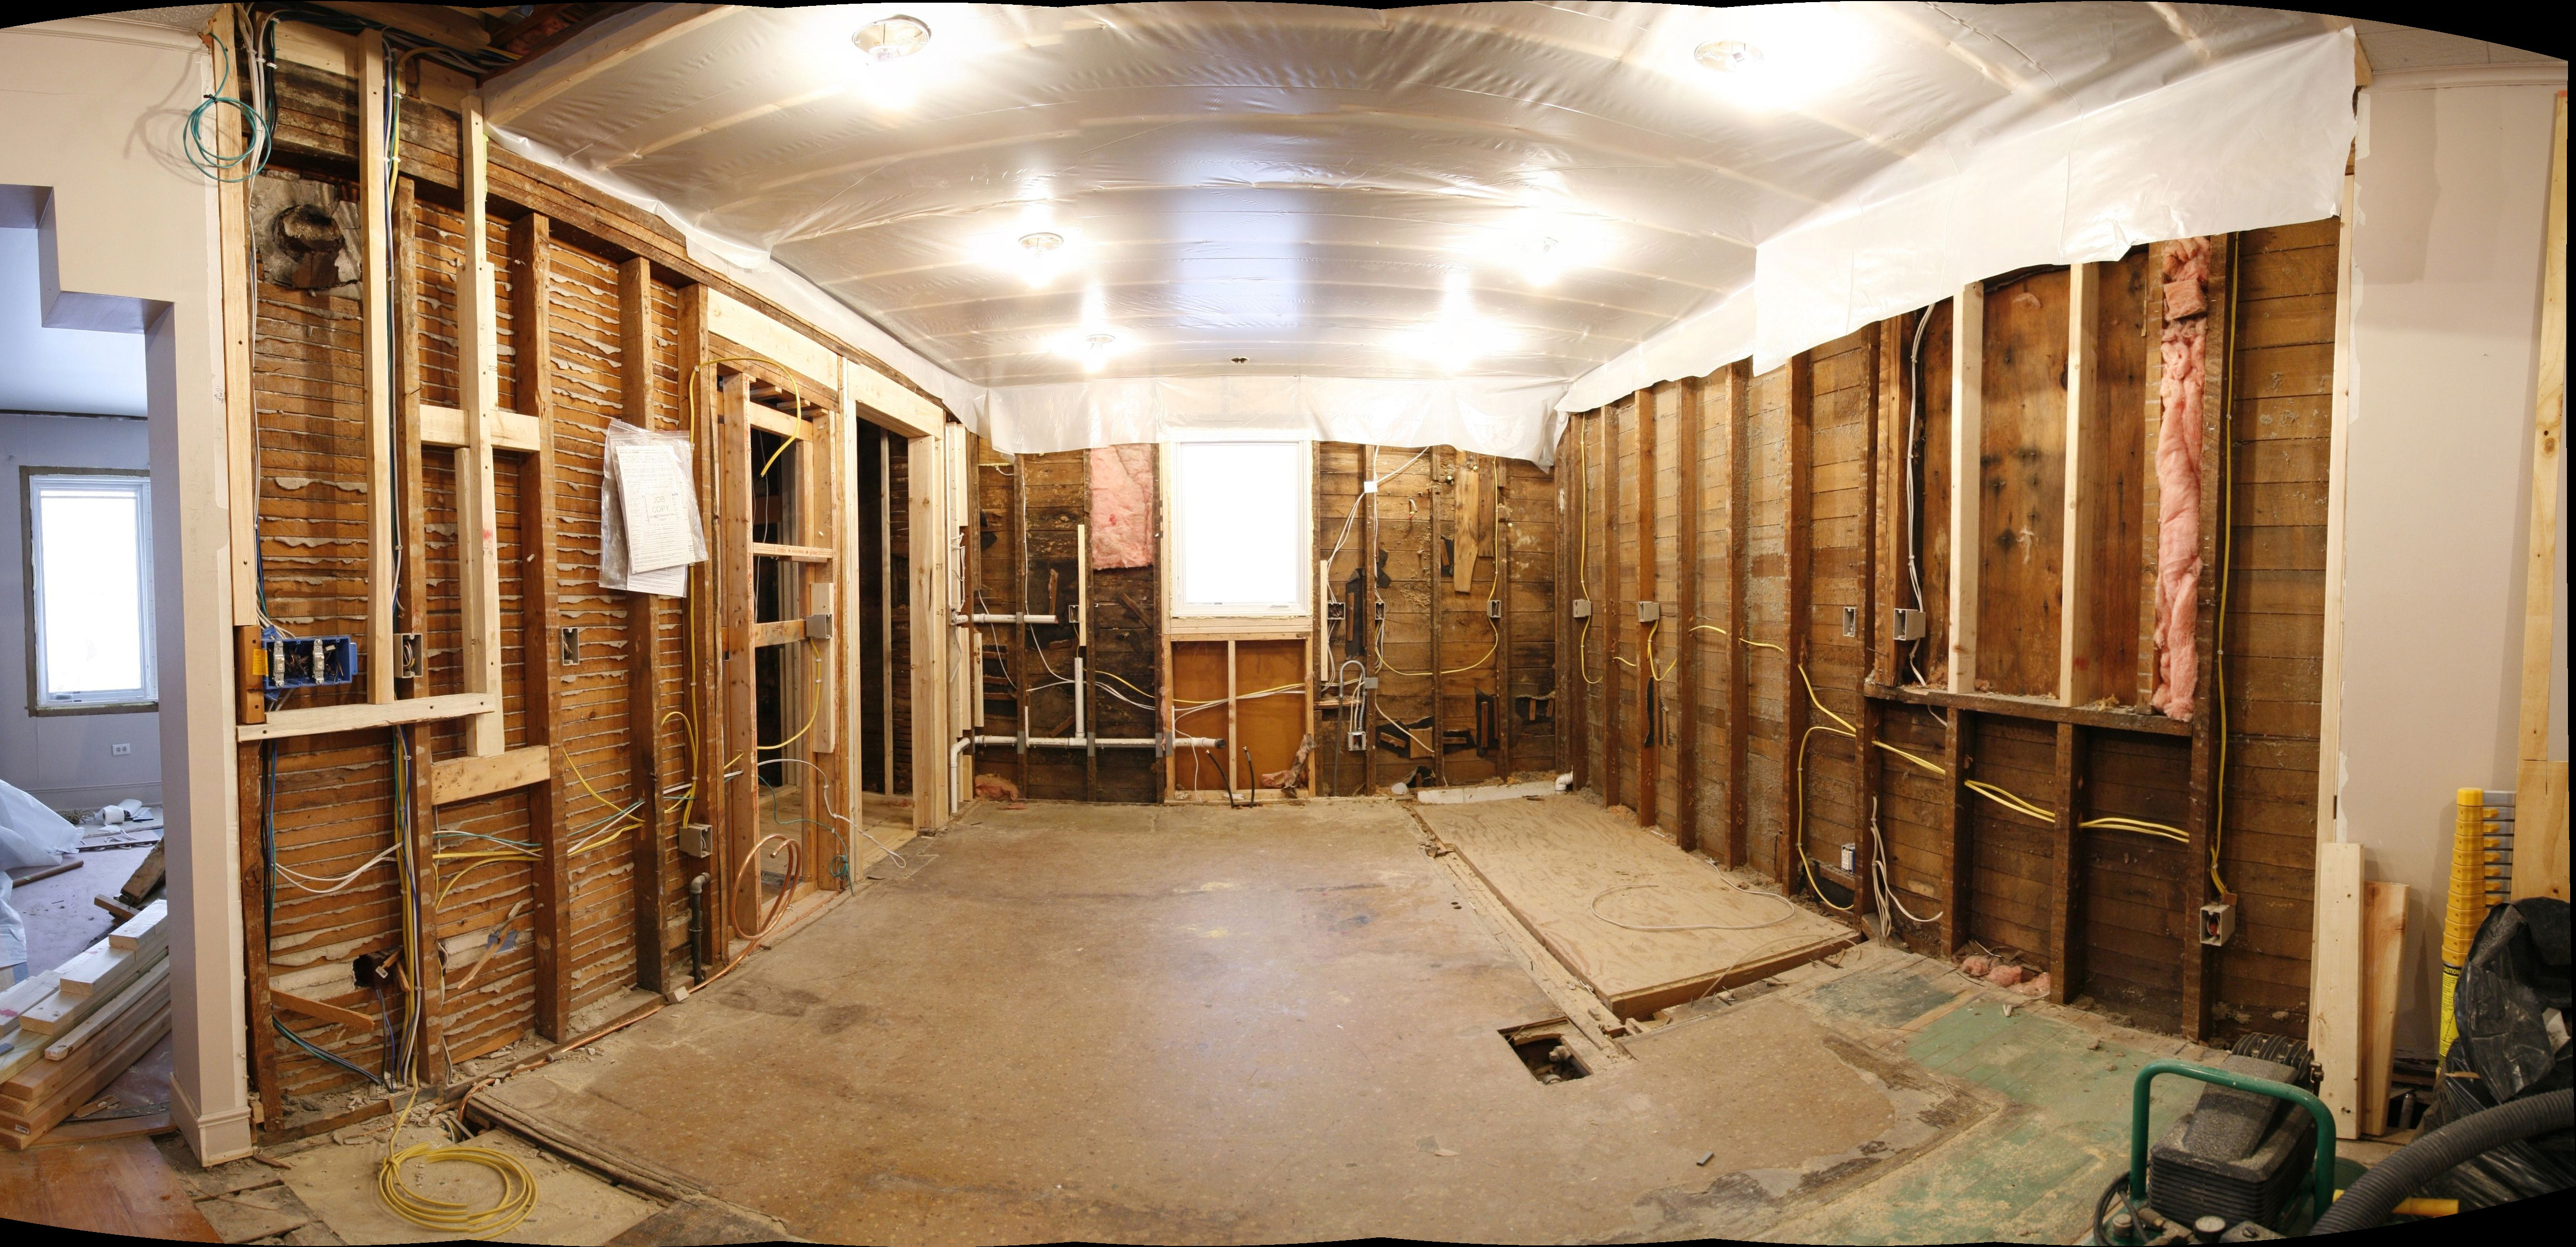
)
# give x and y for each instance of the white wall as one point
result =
(93, 116)
(64, 759)
(48, 369)
(2450, 186)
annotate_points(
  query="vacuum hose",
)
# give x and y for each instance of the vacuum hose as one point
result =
(2377, 1192)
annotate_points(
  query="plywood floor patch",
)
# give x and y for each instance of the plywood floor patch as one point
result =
(1551, 859)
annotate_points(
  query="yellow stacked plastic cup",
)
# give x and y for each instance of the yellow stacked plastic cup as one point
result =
(2468, 904)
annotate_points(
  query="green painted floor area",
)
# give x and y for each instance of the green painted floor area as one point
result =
(2031, 1171)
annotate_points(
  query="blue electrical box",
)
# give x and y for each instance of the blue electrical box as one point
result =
(306, 661)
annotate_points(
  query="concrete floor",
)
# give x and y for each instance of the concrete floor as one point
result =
(1131, 1024)
(1135, 1024)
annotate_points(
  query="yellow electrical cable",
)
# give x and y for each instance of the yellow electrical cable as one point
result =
(811, 711)
(518, 1195)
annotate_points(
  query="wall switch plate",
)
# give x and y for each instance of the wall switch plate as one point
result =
(1583, 608)
(2217, 924)
(1909, 625)
(1851, 621)
(120, 750)
(1649, 612)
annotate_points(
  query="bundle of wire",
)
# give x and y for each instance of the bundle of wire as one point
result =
(518, 1195)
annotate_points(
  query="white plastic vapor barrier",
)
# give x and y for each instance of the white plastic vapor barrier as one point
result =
(1428, 223)
(2250, 142)
(1515, 418)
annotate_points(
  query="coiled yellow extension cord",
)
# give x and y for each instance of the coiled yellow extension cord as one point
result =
(447, 1216)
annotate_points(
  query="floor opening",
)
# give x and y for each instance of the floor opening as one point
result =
(1543, 1048)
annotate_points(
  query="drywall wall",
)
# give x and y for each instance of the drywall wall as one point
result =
(94, 116)
(88, 371)
(65, 760)
(2451, 183)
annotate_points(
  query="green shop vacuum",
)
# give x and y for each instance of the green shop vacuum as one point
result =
(2253, 1157)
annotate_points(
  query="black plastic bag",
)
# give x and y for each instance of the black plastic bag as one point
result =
(2510, 1009)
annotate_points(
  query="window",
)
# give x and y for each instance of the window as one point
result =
(1239, 529)
(89, 588)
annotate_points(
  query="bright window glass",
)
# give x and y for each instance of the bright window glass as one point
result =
(1239, 528)
(91, 554)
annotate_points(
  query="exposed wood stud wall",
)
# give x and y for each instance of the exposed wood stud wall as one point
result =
(2029, 677)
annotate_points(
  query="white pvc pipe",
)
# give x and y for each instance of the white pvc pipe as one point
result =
(961, 620)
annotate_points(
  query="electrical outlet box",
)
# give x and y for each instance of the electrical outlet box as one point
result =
(1850, 858)
(1368, 487)
(1649, 612)
(697, 839)
(1851, 621)
(568, 640)
(2217, 924)
(409, 651)
(120, 750)
(1909, 626)
(1583, 608)
(1493, 608)
(307, 661)
(818, 627)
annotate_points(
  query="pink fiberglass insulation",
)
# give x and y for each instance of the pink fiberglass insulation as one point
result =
(1122, 506)
(2178, 455)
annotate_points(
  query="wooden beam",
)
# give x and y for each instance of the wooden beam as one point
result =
(2329, 778)
(2037, 709)
(1739, 656)
(2334, 1011)
(779, 423)
(317, 720)
(2066, 869)
(269, 1104)
(468, 777)
(752, 330)
(351, 1018)
(540, 615)
(1958, 758)
(1686, 609)
(2383, 955)
(1886, 511)
(2207, 801)
(2540, 834)
(636, 339)
(1363, 617)
(479, 385)
(702, 619)
(1501, 536)
(375, 167)
(241, 426)
(1432, 494)
(2080, 678)
(445, 426)
(1613, 622)
(1650, 752)
(1967, 442)
(776, 632)
(1573, 567)
(737, 711)
(414, 615)
(427, 973)
(1797, 541)
(1865, 722)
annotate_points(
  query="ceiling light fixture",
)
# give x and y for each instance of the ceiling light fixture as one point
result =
(1041, 255)
(1727, 56)
(892, 38)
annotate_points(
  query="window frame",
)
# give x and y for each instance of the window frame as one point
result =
(146, 697)
(1295, 615)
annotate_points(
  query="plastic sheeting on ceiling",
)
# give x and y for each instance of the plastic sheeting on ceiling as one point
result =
(1123, 222)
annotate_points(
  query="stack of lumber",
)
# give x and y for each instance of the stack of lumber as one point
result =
(75, 1028)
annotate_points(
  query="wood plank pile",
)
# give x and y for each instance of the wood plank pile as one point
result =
(73, 1029)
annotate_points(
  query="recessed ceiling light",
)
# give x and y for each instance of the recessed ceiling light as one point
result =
(1043, 242)
(892, 38)
(1728, 55)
